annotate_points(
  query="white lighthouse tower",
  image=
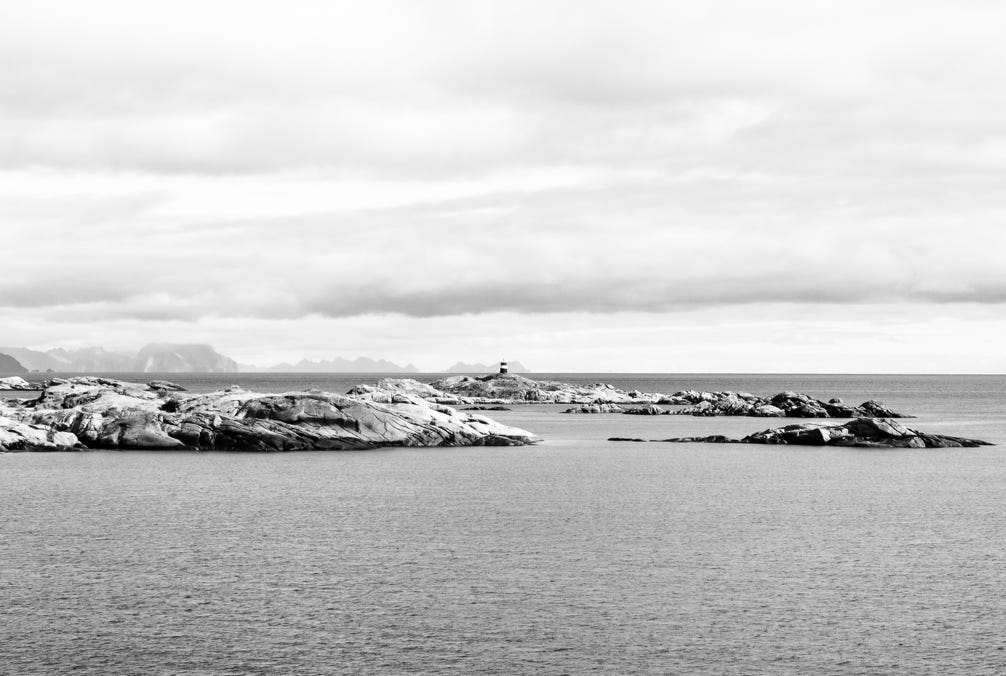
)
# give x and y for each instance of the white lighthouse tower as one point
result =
(503, 366)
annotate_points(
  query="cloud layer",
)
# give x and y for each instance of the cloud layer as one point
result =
(202, 167)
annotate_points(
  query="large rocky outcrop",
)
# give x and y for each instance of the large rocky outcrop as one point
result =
(105, 413)
(864, 432)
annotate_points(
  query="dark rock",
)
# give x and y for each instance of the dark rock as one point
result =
(875, 409)
(713, 439)
(861, 432)
(596, 408)
(865, 432)
(165, 385)
(646, 410)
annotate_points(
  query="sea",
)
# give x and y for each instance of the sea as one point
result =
(573, 556)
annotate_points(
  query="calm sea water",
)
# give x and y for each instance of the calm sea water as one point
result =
(575, 556)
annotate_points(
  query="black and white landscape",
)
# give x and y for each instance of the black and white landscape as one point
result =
(480, 337)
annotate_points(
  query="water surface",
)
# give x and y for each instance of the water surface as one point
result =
(575, 556)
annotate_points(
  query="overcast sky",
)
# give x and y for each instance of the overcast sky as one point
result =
(628, 185)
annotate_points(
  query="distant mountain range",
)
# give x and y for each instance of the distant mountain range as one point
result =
(462, 367)
(337, 365)
(10, 366)
(197, 358)
(153, 358)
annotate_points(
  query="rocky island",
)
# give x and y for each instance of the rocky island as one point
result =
(515, 389)
(510, 388)
(861, 432)
(101, 413)
(784, 404)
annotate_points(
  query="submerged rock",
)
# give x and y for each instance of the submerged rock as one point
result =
(862, 432)
(105, 413)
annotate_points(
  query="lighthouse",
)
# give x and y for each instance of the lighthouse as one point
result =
(503, 366)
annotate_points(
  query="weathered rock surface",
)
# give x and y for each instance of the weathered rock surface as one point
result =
(165, 385)
(647, 410)
(393, 390)
(784, 404)
(512, 388)
(863, 432)
(17, 383)
(495, 389)
(105, 413)
(516, 388)
(595, 408)
(19, 436)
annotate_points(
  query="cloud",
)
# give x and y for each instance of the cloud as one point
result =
(263, 162)
(462, 88)
(606, 249)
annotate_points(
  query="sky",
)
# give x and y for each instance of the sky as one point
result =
(579, 186)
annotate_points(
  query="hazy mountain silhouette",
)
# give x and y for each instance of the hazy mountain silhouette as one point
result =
(462, 367)
(10, 366)
(337, 365)
(156, 357)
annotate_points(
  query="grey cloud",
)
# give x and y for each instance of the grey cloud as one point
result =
(734, 160)
(651, 247)
(602, 297)
(459, 90)
(569, 291)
